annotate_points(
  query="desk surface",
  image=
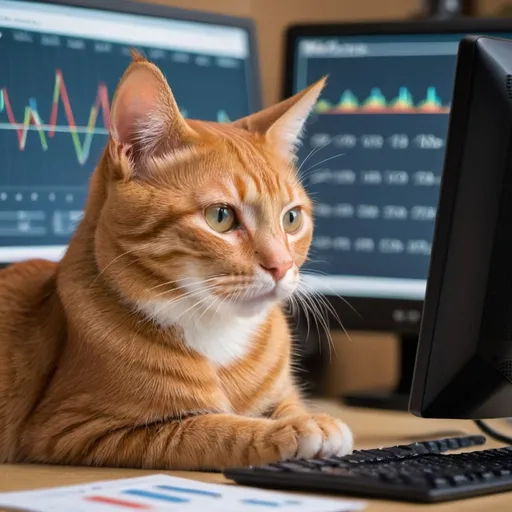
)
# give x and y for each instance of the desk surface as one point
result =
(371, 428)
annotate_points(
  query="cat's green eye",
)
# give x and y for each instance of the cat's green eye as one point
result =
(292, 220)
(220, 218)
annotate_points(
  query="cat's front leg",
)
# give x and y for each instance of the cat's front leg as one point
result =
(335, 436)
(290, 405)
(208, 441)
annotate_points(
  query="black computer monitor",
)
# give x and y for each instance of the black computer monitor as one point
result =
(61, 61)
(464, 362)
(372, 159)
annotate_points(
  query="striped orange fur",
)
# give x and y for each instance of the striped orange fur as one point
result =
(159, 341)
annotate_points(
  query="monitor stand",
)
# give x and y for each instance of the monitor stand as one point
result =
(398, 398)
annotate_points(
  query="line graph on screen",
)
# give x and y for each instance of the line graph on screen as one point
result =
(31, 119)
(82, 135)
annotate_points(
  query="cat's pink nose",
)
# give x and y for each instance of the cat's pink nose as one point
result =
(278, 270)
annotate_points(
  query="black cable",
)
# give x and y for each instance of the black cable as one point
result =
(491, 432)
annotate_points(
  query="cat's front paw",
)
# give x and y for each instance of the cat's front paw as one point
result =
(337, 438)
(307, 437)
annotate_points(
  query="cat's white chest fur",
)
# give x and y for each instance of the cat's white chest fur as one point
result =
(221, 339)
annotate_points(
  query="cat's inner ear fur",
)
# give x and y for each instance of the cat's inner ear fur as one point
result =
(283, 123)
(145, 121)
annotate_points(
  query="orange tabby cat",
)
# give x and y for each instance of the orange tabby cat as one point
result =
(158, 341)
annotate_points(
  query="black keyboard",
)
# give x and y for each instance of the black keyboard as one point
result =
(417, 472)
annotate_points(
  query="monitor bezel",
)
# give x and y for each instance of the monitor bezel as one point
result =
(181, 14)
(374, 313)
(475, 387)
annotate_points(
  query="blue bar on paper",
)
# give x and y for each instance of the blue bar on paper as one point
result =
(156, 496)
(262, 503)
(189, 491)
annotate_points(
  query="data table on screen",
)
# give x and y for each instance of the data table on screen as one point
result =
(372, 157)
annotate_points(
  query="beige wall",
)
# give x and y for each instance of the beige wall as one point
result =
(494, 7)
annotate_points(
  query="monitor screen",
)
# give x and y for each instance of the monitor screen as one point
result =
(372, 157)
(61, 64)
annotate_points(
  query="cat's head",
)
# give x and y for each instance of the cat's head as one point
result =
(199, 215)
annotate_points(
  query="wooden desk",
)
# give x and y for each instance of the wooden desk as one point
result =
(371, 428)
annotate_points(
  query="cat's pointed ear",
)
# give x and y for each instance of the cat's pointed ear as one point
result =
(283, 123)
(145, 120)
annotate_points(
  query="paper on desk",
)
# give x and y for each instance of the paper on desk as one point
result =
(162, 493)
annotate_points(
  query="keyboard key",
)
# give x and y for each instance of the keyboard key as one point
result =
(356, 458)
(459, 479)
(465, 442)
(419, 449)
(309, 463)
(432, 447)
(371, 455)
(270, 469)
(293, 466)
(346, 472)
(453, 444)
(418, 482)
(443, 445)
(397, 452)
(390, 478)
(317, 463)
(440, 482)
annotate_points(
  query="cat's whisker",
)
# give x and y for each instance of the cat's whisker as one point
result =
(289, 307)
(306, 312)
(312, 153)
(199, 280)
(322, 300)
(112, 262)
(168, 304)
(219, 305)
(200, 302)
(311, 261)
(314, 166)
(312, 292)
(310, 272)
(186, 292)
(203, 313)
(316, 312)
(295, 305)
(319, 321)
(193, 306)
(208, 306)
(228, 294)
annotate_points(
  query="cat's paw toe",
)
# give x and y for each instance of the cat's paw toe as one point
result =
(310, 439)
(335, 438)
(307, 437)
